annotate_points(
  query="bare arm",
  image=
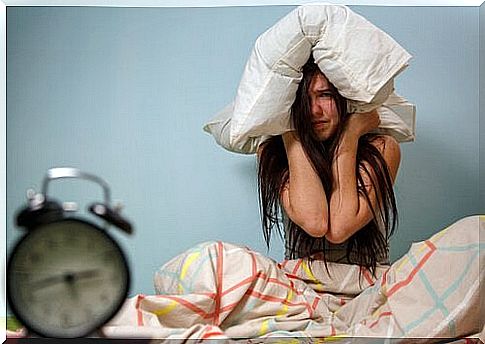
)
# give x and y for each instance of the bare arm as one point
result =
(350, 211)
(303, 197)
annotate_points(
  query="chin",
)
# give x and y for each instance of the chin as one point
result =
(322, 136)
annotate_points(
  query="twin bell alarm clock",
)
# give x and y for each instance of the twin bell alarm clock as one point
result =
(67, 276)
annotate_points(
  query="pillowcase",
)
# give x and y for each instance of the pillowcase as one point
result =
(355, 56)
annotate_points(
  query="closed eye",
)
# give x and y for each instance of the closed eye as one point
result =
(325, 94)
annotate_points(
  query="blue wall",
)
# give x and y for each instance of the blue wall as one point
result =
(124, 93)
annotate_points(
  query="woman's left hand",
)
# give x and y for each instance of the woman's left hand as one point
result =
(361, 123)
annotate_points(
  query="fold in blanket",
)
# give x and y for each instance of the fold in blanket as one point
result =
(220, 290)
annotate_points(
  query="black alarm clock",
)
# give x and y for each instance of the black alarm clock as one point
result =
(66, 276)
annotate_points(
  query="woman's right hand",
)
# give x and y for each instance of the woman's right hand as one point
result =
(359, 124)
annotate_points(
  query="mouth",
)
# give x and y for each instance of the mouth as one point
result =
(319, 124)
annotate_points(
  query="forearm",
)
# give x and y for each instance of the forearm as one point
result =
(304, 198)
(344, 200)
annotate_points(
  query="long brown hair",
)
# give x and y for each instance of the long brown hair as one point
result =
(368, 245)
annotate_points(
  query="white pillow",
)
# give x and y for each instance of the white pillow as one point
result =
(357, 57)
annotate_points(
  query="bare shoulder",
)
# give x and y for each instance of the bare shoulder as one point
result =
(385, 143)
(390, 150)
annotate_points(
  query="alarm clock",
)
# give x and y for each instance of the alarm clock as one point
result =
(66, 276)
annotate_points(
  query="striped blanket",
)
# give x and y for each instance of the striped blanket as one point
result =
(219, 290)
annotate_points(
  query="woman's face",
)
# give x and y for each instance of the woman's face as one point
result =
(325, 117)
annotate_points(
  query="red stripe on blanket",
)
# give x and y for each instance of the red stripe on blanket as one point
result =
(212, 331)
(212, 334)
(293, 276)
(229, 307)
(315, 303)
(297, 266)
(430, 245)
(253, 258)
(264, 297)
(210, 295)
(401, 284)
(365, 272)
(189, 305)
(333, 333)
(218, 282)
(277, 281)
(383, 314)
(384, 278)
(248, 280)
(263, 276)
(271, 298)
(139, 314)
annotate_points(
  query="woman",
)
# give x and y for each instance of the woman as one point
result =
(331, 177)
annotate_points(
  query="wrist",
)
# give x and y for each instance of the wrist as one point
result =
(351, 132)
(350, 137)
(348, 142)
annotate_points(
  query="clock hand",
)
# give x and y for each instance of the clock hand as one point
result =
(47, 282)
(68, 277)
(86, 274)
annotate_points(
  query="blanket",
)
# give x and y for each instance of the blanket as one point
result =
(219, 290)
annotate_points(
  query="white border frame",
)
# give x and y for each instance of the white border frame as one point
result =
(136, 3)
(3, 172)
(229, 3)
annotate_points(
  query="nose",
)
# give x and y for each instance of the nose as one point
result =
(316, 109)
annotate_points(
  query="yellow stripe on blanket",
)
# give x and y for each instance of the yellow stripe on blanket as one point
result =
(308, 271)
(264, 327)
(287, 341)
(335, 338)
(284, 308)
(438, 235)
(421, 248)
(190, 259)
(167, 309)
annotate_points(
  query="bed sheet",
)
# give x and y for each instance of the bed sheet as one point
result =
(218, 290)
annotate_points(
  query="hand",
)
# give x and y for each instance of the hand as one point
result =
(359, 124)
(67, 277)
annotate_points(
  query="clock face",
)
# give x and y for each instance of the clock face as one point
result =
(66, 278)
